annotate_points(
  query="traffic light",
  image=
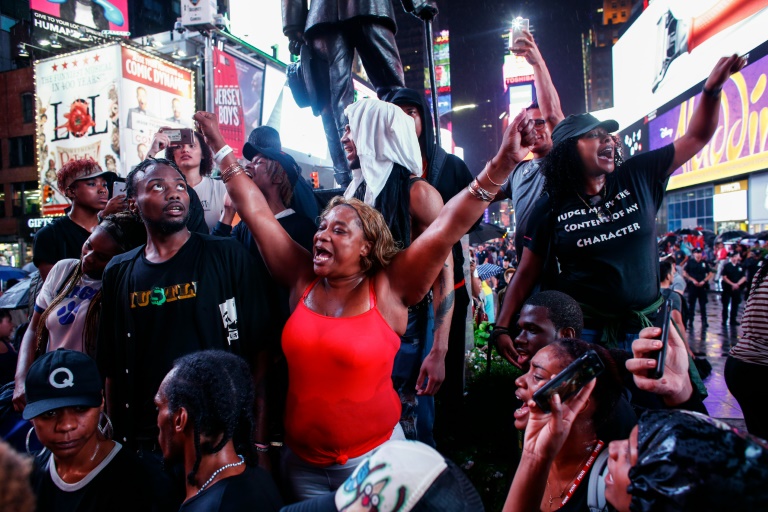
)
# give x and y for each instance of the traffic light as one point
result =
(315, 179)
(47, 194)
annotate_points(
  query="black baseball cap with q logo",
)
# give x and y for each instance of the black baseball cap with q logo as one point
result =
(62, 378)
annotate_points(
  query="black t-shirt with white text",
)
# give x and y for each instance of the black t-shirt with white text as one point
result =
(612, 265)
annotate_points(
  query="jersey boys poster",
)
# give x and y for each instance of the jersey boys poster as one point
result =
(104, 103)
(238, 89)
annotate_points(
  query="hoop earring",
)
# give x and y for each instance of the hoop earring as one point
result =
(26, 442)
(106, 430)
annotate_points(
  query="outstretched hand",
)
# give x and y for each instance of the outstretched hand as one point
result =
(724, 68)
(675, 385)
(516, 142)
(546, 433)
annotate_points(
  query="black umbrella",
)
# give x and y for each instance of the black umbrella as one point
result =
(763, 235)
(17, 296)
(688, 231)
(730, 235)
(485, 232)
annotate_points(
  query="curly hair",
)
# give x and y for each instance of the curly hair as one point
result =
(128, 232)
(562, 310)
(609, 386)
(563, 170)
(130, 180)
(216, 389)
(16, 493)
(65, 175)
(375, 230)
(206, 159)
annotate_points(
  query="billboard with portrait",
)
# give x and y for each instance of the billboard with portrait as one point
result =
(238, 89)
(79, 19)
(104, 103)
(740, 143)
(675, 44)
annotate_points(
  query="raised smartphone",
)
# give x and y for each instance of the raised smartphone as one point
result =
(518, 26)
(663, 318)
(569, 381)
(118, 187)
(179, 136)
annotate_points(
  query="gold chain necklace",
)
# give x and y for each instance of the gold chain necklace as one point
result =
(602, 212)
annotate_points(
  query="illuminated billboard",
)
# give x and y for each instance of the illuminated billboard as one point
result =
(442, 53)
(740, 143)
(675, 44)
(79, 19)
(104, 103)
(516, 70)
(237, 90)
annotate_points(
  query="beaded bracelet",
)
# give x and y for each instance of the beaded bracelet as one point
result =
(479, 192)
(220, 154)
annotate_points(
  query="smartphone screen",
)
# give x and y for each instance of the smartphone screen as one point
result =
(569, 381)
(663, 318)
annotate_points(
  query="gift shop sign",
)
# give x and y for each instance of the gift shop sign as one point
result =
(740, 142)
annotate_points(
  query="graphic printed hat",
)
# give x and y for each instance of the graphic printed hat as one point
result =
(62, 378)
(400, 476)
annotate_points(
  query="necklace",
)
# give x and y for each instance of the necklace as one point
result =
(602, 212)
(574, 482)
(222, 468)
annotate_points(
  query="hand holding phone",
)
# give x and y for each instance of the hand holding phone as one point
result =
(569, 381)
(675, 386)
(663, 318)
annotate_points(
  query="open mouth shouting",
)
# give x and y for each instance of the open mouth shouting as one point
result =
(321, 255)
(175, 209)
(605, 153)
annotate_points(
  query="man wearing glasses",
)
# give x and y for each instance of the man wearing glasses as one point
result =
(526, 182)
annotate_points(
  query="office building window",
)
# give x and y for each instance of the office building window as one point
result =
(690, 209)
(21, 151)
(28, 107)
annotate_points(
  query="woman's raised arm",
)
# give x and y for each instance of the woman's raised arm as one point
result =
(413, 271)
(288, 262)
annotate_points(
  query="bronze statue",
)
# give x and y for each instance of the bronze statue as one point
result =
(331, 31)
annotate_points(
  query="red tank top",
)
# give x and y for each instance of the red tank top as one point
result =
(341, 403)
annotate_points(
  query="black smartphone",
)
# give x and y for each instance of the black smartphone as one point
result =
(569, 381)
(663, 318)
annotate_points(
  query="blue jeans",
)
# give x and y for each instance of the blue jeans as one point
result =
(594, 336)
(418, 412)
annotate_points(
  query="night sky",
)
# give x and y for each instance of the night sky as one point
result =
(477, 58)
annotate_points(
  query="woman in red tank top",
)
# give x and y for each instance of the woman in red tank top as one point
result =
(349, 300)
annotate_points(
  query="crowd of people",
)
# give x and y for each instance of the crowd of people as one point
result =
(174, 361)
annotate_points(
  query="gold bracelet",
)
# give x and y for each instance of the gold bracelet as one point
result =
(488, 175)
(479, 192)
(232, 171)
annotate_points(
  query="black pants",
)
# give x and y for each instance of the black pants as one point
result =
(697, 293)
(746, 381)
(336, 44)
(732, 297)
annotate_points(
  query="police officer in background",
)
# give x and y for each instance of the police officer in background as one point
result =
(734, 277)
(698, 273)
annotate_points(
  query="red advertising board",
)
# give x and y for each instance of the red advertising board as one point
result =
(228, 101)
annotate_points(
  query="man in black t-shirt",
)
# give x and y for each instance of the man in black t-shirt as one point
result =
(698, 273)
(181, 293)
(734, 277)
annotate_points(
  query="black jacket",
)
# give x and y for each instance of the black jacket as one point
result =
(297, 17)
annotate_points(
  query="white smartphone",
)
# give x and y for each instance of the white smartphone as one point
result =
(118, 187)
(518, 26)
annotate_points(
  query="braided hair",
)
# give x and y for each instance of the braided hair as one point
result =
(563, 170)
(216, 390)
(128, 232)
